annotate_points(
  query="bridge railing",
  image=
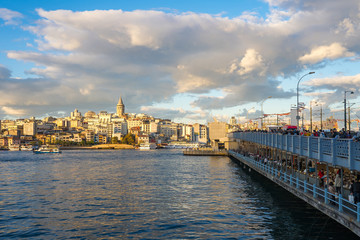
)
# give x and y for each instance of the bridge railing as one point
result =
(338, 202)
(335, 151)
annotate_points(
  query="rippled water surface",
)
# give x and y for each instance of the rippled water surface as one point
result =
(157, 194)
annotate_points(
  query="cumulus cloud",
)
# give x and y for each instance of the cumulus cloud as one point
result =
(332, 51)
(90, 58)
(13, 111)
(331, 90)
(10, 17)
(175, 113)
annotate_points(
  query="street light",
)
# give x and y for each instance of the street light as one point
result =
(297, 99)
(349, 113)
(351, 92)
(311, 124)
(262, 112)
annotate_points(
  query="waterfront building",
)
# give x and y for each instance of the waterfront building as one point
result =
(75, 123)
(134, 122)
(217, 130)
(89, 135)
(120, 127)
(145, 127)
(75, 114)
(154, 127)
(142, 138)
(105, 117)
(102, 138)
(188, 133)
(201, 132)
(13, 140)
(3, 141)
(90, 114)
(29, 129)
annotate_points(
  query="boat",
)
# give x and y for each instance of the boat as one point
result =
(14, 147)
(147, 146)
(47, 149)
(182, 145)
(26, 148)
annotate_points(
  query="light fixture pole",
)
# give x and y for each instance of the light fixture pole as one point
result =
(311, 124)
(345, 122)
(297, 99)
(321, 114)
(262, 112)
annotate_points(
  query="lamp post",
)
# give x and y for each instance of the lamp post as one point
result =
(349, 113)
(297, 99)
(311, 124)
(351, 92)
(262, 112)
(321, 114)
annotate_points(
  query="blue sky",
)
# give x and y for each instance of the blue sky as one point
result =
(185, 60)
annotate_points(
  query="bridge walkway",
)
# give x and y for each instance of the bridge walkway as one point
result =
(336, 207)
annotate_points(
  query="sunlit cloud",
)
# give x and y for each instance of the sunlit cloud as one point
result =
(151, 56)
(321, 53)
(10, 17)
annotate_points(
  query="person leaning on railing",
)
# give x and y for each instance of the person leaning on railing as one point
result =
(355, 190)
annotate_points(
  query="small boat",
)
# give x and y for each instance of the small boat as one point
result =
(47, 149)
(14, 147)
(147, 146)
(26, 148)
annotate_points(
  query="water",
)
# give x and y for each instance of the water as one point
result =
(158, 194)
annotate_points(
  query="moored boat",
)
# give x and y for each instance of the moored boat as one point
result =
(14, 147)
(26, 148)
(47, 149)
(147, 146)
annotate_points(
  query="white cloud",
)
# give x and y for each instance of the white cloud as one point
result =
(332, 51)
(336, 82)
(250, 62)
(91, 57)
(13, 111)
(10, 17)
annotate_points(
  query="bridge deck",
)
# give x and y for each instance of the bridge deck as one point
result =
(336, 207)
(335, 151)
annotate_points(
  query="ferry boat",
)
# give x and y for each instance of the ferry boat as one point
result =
(147, 146)
(47, 149)
(26, 148)
(14, 147)
(182, 145)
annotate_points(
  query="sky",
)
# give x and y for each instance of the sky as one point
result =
(189, 61)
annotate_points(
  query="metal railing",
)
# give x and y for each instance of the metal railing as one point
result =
(335, 151)
(338, 202)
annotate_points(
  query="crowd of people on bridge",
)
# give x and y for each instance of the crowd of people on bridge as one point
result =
(332, 133)
(330, 180)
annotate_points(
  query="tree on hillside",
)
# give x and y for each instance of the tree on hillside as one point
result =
(128, 139)
(114, 140)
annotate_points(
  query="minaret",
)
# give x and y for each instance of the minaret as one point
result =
(120, 108)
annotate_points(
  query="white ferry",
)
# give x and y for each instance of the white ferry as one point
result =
(147, 146)
(26, 148)
(182, 145)
(47, 149)
(14, 147)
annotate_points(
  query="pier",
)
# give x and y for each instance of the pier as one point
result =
(293, 161)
